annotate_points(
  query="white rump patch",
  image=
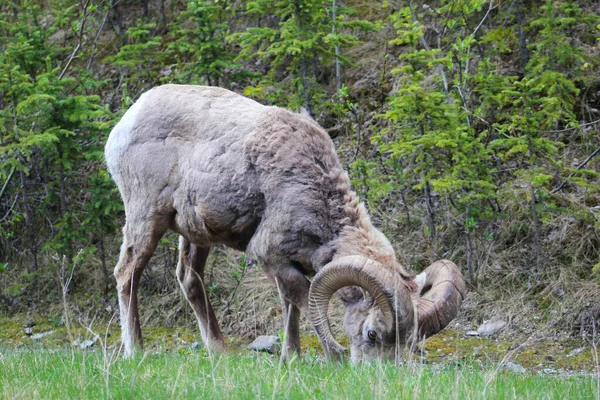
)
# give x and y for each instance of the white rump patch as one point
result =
(120, 136)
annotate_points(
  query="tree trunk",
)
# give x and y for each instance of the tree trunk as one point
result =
(406, 210)
(116, 17)
(104, 268)
(338, 84)
(31, 236)
(163, 16)
(522, 38)
(430, 213)
(303, 66)
(469, 249)
(145, 7)
(536, 232)
(63, 211)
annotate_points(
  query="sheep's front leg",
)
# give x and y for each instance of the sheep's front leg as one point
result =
(190, 274)
(139, 242)
(291, 320)
(293, 287)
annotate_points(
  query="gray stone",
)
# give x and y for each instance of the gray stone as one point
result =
(86, 344)
(511, 366)
(38, 336)
(492, 327)
(576, 351)
(270, 344)
(28, 331)
(197, 345)
(472, 333)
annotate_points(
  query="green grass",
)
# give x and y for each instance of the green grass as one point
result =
(64, 374)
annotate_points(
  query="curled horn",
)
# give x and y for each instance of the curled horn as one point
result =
(442, 293)
(387, 287)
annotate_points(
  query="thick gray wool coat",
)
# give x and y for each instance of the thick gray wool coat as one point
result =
(219, 168)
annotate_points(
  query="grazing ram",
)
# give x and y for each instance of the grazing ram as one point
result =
(219, 168)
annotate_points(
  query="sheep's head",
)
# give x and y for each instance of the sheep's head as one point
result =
(382, 314)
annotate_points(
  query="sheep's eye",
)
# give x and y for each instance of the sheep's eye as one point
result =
(372, 335)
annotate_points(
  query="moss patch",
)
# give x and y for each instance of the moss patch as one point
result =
(535, 355)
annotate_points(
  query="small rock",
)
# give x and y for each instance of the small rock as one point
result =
(489, 328)
(29, 324)
(549, 371)
(472, 333)
(197, 345)
(511, 366)
(269, 344)
(41, 335)
(86, 344)
(28, 331)
(575, 352)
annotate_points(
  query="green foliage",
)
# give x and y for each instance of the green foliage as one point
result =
(302, 36)
(477, 133)
(431, 137)
(459, 111)
(139, 58)
(199, 51)
(51, 124)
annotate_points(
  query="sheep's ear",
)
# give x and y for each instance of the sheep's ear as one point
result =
(352, 295)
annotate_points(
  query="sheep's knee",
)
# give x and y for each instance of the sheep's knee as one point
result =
(124, 270)
(294, 287)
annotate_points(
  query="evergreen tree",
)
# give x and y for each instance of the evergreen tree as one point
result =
(49, 127)
(298, 36)
(199, 52)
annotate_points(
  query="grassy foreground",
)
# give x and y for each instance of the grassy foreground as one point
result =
(64, 374)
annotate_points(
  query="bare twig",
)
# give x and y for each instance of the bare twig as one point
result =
(64, 283)
(573, 128)
(10, 209)
(490, 8)
(79, 39)
(89, 64)
(559, 187)
(10, 175)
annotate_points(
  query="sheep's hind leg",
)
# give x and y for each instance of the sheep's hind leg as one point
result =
(140, 239)
(190, 274)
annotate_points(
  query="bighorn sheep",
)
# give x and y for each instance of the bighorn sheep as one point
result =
(219, 168)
